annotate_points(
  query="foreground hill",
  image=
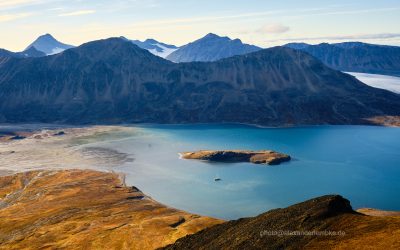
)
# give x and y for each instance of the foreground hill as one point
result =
(82, 209)
(211, 48)
(326, 222)
(355, 56)
(113, 80)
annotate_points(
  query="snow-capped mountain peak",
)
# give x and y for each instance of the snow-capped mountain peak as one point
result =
(211, 48)
(49, 45)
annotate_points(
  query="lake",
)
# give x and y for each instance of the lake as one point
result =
(362, 163)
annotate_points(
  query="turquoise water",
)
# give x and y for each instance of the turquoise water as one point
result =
(362, 163)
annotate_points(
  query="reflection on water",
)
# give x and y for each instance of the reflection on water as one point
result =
(106, 156)
(101, 136)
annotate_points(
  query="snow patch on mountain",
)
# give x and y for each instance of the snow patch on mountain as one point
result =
(56, 51)
(153, 46)
(165, 51)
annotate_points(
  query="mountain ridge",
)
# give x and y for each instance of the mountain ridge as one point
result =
(31, 52)
(355, 56)
(114, 81)
(211, 48)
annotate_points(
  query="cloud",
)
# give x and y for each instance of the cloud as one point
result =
(294, 13)
(379, 36)
(13, 4)
(344, 12)
(56, 9)
(273, 28)
(78, 13)
(11, 17)
(203, 19)
(238, 16)
(351, 12)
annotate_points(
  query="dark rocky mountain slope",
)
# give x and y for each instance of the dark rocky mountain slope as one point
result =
(327, 222)
(211, 48)
(113, 80)
(7, 53)
(31, 52)
(355, 56)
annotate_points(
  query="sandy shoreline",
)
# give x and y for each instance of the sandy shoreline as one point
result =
(59, 173)
(66, 148)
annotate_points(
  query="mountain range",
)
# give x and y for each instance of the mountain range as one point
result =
(113, 81)
(211, 48)
(347, 57)
(355, 56)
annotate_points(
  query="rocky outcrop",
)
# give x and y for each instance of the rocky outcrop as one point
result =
(256, 157)
(327, 222)
(81, 209)
(12, 136)
(115, 81)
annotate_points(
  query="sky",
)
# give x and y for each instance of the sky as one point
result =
(264, 23)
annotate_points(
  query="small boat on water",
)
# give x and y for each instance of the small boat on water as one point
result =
(217, 178)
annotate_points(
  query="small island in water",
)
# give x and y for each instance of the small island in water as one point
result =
(257, 157)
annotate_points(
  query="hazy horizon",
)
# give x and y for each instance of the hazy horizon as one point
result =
(262, 23)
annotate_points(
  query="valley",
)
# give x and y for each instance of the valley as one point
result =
(147, 124)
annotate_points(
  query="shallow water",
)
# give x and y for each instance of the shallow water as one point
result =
(362, 163)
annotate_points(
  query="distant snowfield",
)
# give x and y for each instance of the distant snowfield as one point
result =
(56, 51)
(390, 83)
(165, 53)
